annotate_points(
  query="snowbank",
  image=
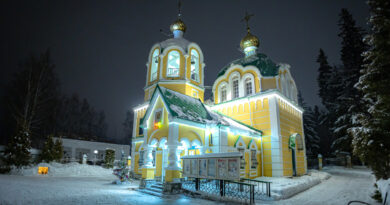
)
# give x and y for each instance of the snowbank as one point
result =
(384, 189)
(357, 171)
(73, 169)
(283, 188)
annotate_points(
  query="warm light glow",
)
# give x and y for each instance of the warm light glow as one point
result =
(157, 125)
(43, 170)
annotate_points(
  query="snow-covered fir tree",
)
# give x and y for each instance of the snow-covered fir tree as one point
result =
(310, 124)
(324, 75)
(371, 131)
(330, 84)
(47, 153)
(349, 100)
(17, 152)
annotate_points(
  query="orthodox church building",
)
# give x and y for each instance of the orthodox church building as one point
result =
(255, 112)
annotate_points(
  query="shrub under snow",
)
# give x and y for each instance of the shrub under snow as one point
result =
(73, 169)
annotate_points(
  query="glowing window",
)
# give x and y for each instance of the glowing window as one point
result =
(194, 65)
(253, 159)
(248, 86)
(242, 159)
(223, 94)
(154, 66)
(235, 88)
(173, 64)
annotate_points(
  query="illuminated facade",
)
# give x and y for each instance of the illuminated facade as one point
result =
(255, 112)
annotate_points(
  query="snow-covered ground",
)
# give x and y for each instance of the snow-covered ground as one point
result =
(283, 188)
(344, 185)
(384, 189)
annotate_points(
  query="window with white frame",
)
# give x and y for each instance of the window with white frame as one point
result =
(235, 88)
(248, 86)
(154, 66)
(223, 93)
(242, 159)
(194, 65)
(173, 66)
(253, 159)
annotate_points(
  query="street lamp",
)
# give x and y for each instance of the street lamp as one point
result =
(95, 152)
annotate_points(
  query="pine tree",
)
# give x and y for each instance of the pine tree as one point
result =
(58, 150)
(330, 84)
(17, 152)
(349, 100)
(47, 153)
(312, 140)
(324, 76)
(371, 131)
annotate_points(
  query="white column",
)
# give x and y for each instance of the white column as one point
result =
(276, 138)
(173, 147)
(148, 157)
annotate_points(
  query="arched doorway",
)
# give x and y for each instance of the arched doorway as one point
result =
(295, 143)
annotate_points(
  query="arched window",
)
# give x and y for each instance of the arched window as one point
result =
(173, 64)
(194, 65)
(235, 88)
(223, 93)
(248, 86)
(154, 66)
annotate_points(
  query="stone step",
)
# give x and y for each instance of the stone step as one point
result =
(157, 186)
(155, 189)
(147, 191)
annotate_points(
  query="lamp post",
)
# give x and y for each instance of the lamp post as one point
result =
(95, 152)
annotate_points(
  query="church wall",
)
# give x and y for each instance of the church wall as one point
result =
(290, 123)
(154, 132)
(268, 83)
(236, 141)
(191, 89)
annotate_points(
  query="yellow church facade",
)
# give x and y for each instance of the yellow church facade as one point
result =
(255, 112)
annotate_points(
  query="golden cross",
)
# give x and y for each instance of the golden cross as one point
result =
(246, 19)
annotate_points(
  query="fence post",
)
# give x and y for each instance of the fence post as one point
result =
(197, 184)
(269, 189)
(252, 194)
(221, 188)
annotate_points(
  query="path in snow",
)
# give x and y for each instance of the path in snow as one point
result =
(78, 190)
(345, 185)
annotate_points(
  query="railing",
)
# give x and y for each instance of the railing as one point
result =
(261, 187)
(224, 189)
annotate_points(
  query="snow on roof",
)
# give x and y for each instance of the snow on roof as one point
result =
(189, 108)
(180, 42)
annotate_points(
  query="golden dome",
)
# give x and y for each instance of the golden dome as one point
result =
(249, 40)
(178, 25)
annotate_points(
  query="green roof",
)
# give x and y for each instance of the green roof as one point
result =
(192, 109)
(262, 62)
(184, 106)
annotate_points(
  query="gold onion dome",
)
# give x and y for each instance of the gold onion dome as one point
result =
(178, 25)
(249, 40)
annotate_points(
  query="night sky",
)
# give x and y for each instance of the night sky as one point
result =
(100, 48)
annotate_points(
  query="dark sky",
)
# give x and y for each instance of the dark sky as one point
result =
(100, 47)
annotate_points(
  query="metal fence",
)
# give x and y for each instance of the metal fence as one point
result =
(262, 188)
(224, 189)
